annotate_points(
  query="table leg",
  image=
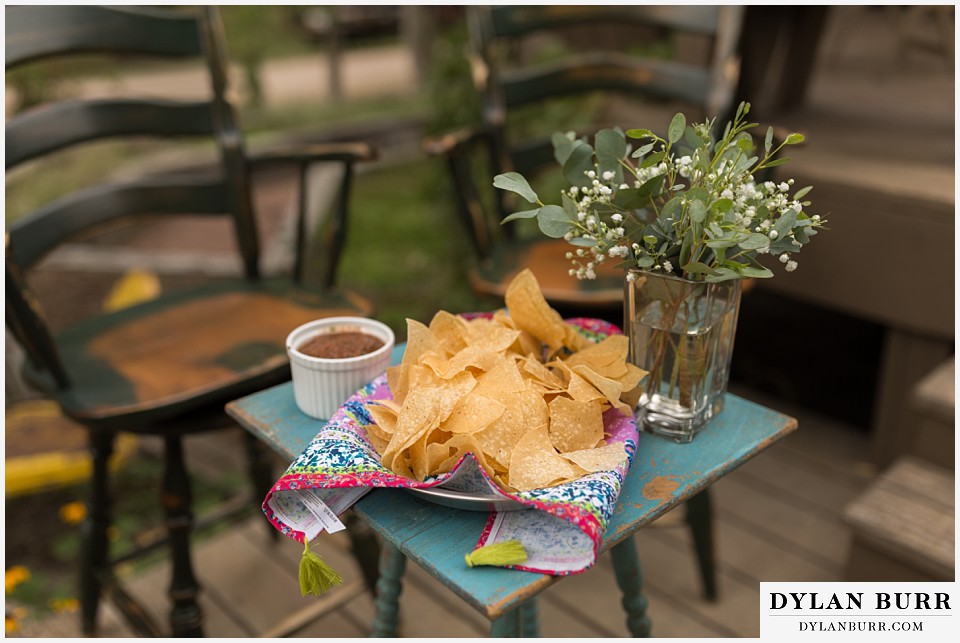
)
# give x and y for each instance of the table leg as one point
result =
(626, 564)
(700, 519)
(529, 625)
(392, 565)
(507, 626)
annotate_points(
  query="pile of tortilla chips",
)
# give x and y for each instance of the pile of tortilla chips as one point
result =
(523, 391)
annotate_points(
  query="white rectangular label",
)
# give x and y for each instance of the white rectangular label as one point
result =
(857, 611)
(320, 511)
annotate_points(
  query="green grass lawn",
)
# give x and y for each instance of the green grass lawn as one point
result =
(406, 250)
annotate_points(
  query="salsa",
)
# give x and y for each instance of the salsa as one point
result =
(341, 344)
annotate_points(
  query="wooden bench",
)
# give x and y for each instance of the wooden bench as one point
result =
(904, 525)
(933, 399)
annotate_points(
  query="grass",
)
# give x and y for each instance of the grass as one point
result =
(405, 249)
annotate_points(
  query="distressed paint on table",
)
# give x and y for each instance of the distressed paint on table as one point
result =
(663, 475)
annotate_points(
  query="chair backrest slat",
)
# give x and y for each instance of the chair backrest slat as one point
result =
(60, 125)
(32, 237)
(35, 32)
(508, 21)
(608, 71)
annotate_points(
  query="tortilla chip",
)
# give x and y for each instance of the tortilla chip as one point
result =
(574, 425)
(536, 464)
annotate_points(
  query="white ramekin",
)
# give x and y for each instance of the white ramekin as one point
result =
(321, 385)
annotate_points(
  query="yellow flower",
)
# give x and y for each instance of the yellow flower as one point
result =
(73, 513)
(14, 617)
(64, 604)
(14, 576)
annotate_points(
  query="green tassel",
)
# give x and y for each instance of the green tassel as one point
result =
(316, 576)
(510, 552)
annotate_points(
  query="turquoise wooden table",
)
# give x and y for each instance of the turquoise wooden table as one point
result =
(663, 475)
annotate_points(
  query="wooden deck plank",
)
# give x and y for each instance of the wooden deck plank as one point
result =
(669, 569)
(750, 505)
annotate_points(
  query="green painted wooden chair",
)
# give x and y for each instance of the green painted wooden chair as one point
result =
(531, 66)
(676, 59)
(168, 366)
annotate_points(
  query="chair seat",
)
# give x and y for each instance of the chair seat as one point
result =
(547, 259)
(147, 363)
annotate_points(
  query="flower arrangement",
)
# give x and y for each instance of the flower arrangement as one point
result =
(688, 205)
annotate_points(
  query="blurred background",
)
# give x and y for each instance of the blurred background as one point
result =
(859, 340)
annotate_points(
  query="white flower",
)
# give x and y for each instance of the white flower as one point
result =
(816, 217)
(783, 186)
(616, 217)
(784, 258)
(774, 234)
(631, 277)
(624, 186)
(591, 174)
(591, 274)
(608, 175)
(791, 266)
(667, 266)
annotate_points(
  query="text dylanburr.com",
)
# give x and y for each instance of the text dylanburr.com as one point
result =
(858, 611)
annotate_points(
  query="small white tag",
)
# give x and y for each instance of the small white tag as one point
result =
(320, 511)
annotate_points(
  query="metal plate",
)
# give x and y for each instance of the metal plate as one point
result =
(468, 501)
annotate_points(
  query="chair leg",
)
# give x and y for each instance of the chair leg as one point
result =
(260, 470)
(186, 619)
(392, 565)
(700, 519)
(95, 548)
(626, 566)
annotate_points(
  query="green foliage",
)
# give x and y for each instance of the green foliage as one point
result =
(687, 204)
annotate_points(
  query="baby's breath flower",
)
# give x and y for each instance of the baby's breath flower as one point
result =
(791, 266)
(608, 175)
(784, 258)
(667, 266)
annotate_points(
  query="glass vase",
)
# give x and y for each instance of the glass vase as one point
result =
(681, 332)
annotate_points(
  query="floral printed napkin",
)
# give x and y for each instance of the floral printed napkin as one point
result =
(561, 531)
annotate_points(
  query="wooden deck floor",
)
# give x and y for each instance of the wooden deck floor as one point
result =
(778, 518)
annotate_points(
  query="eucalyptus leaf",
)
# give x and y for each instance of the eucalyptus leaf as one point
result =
(802, 192)
(755, 241)
(611, 147)
(645, 261)
(697, 211)
(562, 146)
(514, 182)
(640, 133)
(569, 205)
(795, 139)
(722, 274)
(677, 127)
(653, 159)
(721, 205)
(581, 241)
(756, 273)
(785, 223)
(643, 149)
(768, 140)
(553, 221)
(686, 246)
(526, 214)
(697, 268)
(776, 162)
(578, 164)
